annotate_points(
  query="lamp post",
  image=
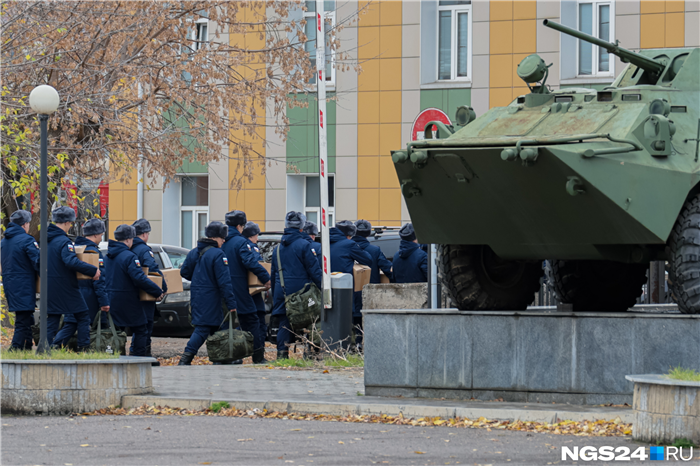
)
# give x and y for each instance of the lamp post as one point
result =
(44, 101)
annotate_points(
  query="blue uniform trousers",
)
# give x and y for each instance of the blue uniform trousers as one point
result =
(284, 334)
(250, 323)
(262, 326)
(81, 324)
(149, 331)
(139, 339)
(22, 339)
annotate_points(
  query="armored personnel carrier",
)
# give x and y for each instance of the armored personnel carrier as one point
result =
(597, 183)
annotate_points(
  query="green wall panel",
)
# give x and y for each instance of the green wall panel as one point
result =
(447, 100)
(302, 139)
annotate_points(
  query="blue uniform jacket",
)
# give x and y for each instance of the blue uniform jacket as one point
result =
(94, 291)
(64, 293)
(344, 253)
(299, 266)
(20, 266)
(145, 254)
(379, 261)
(410, 264)
(317, 248)
(241, 260)
(258, 297)
(211, 284)
(124, 280)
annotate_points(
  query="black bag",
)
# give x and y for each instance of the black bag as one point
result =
(107, 340)
(304, 306)
(230, 344)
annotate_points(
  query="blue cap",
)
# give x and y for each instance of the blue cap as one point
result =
(216, 230)
(406, 232)
(20, 217)
(364, 228)
(124, 232)
(142, 226)
(63, 214)
(235, 218)
(250, 229)
(294, 220)
(310, 228)
(347, 227)
(94, 226)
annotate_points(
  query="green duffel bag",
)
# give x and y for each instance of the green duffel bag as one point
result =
(107, 340)
(304, 306)
(230, 344)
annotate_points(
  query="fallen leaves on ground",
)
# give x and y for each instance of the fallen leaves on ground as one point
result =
(197, 361)
(600, 428)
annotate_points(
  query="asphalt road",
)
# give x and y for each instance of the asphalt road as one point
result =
(175, 440)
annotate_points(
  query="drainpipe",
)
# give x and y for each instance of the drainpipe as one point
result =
(139, 185)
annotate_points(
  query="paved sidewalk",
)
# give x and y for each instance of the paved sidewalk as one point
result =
(336, 392)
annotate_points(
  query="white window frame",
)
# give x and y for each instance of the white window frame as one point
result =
(455, 10)
(310, 17)
(201, 42)
(196, 210)
(317, 210)
(595, 73)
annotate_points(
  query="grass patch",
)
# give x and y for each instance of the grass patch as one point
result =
(353, 360)
(291, 363)
(219, 405)
(55, 354)
(683, 443)
(679, 373)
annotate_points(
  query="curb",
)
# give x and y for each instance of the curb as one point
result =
(407, 410)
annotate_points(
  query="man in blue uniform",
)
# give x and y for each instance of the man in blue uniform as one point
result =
(94, 291)
(206, 267)
(124, 280)
(299, 266)
(344, 251)
(145, 254)
(241, 260)
(311, 229)
(379, 262)
(250, 232)
(411, 262)
(20, 266)
(64, 292)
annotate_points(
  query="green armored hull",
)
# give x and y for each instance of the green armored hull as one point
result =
(592, 181)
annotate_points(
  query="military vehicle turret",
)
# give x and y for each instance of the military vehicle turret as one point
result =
(598, 183)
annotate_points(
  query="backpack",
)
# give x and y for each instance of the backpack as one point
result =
(230, 344)
(304, 306)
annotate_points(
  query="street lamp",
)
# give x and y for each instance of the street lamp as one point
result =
(44, 101)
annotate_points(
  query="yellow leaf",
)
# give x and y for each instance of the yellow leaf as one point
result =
(419, 452)
(85, 445)
(28, 57)
(341, 442)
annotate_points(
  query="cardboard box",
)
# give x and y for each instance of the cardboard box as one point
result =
(253, 290)
(90, 257)
(383, 278)
(155, 278)
(362, 274)
(253, 280)
(173, 280)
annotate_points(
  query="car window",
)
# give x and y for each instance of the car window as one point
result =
(176, 257)
(159, 260)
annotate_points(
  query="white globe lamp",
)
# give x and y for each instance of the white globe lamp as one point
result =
(44, 99)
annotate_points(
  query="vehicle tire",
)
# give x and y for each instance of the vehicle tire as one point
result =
(478, 280)
(684, 258)
(596, 286)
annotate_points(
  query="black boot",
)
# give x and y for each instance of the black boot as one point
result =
(259, 356)
(150, 355)
(282, 354)
(186, 359)
(83, 349)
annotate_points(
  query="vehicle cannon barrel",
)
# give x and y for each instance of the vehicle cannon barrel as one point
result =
(650, 65)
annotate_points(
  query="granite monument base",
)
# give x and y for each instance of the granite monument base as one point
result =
(525, 356)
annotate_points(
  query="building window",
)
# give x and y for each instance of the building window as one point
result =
(454, 44)
(312, 199)
(594, 18)
(200, 34)
(310, 32)
(194, 209)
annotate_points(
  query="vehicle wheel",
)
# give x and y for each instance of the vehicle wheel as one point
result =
(477, 279)
(596, 286)
(684, 258)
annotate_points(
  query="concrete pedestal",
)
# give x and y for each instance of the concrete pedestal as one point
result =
(563, 357)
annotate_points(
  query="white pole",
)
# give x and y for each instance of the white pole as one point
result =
(323, 149)
(433, 277)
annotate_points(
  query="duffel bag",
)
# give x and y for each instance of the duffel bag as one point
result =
(107, 340)
(304, 306)
(230, 344)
